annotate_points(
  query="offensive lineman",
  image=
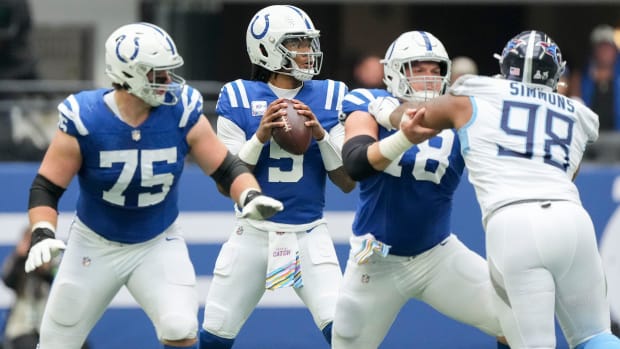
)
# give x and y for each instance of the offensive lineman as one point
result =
(402, 246)
(127, 145)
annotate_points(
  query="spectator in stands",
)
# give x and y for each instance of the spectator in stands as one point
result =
(368, 72)
(31, 290)
(599, 83)
(17, 60)
(463, 65)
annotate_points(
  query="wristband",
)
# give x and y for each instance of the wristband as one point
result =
(332, 159)
(43, 224)
(250, 151)
(394, 145)
(41, 231)
(248, 195)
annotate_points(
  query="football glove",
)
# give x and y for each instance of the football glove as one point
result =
(258, 206)
(43, 247)
(381, 108)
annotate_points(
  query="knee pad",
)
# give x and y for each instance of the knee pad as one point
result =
(349, 327)
(216, 321)
(211, 341)
(601, 341)
(174, 327)
(68, 295)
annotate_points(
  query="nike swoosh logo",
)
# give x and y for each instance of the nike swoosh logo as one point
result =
(170, 238)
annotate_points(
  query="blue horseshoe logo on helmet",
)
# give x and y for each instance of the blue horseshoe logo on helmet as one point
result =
(264, 32)
(133, 55)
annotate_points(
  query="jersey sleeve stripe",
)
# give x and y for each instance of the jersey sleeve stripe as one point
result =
(330, 94)
(366, 93)
(342, 89)
(73, 114)
(188, 106)
(354, 99)
(231, 95)
(244, 95)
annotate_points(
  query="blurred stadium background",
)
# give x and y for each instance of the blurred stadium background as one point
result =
(67, 39)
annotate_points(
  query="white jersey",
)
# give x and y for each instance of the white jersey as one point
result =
(522, 142)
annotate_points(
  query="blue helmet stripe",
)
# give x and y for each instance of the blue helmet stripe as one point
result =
(301, 14)
(390, 51)
(427, 41)
(157, 29)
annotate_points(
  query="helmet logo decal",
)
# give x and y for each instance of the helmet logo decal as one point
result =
(538, 75)
(119, 41)
(551, 50)
(262, 34)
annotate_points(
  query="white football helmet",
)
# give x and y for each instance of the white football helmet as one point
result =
(134, 50)
(269, 30)
(410, 47)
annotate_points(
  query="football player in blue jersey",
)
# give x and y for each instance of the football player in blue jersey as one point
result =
(402, 246)
(127, 146)
(293, 248)
(525, 143)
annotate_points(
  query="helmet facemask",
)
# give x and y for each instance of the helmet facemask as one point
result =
(400, 62)
(404, 85)
(160, 87)
(289, 48)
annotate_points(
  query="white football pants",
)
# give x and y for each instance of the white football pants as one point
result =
(449, 277)
(544, 259)
(158, 273)
(239, 278)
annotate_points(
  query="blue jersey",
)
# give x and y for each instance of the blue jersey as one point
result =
(408, 205)
(129, 175)
(296, 180)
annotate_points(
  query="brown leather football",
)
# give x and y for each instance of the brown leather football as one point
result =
(295, 137)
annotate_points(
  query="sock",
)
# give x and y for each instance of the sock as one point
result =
(211, 341)
(327, 333)
(502, 346)
(195, 346)
(601, 341)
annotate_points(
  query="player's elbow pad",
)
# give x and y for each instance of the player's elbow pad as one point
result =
(44, 193)
(230, 169)
(355, 158)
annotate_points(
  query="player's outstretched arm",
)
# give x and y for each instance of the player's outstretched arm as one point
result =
(231, 174)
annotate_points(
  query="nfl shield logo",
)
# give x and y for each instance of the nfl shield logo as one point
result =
(135, 135)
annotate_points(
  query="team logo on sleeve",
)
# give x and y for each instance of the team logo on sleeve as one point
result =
(259, 108)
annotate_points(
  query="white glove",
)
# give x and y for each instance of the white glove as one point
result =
(381, 108)
(44, 250)
(258, 206)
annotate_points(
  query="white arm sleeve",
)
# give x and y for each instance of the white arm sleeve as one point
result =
(330, 147)
(231, 135)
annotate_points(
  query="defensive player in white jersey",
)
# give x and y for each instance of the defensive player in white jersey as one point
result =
(522, 144)
(293, 248)
(394, 258)
(127, 146)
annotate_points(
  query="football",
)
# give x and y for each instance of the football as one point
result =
(295, 137)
